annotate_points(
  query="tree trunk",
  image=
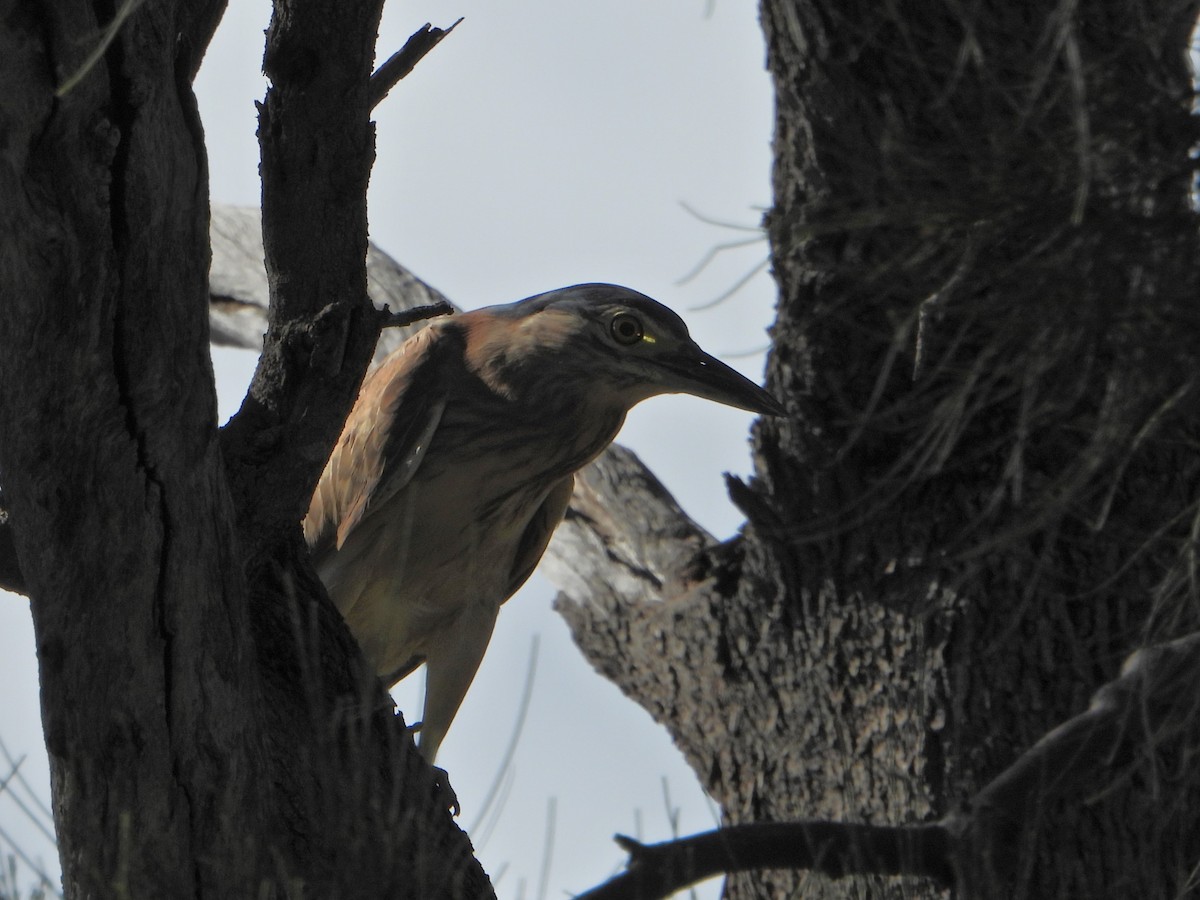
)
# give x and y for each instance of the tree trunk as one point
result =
(113, 470)
(211, 730)
(985, 496)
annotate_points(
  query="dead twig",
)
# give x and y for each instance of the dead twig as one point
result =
(405, 60)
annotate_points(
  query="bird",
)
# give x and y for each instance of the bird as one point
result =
(457, 462)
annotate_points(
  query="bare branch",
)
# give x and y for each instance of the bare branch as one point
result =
(834, 849)
(405, 60)
(406, 317)
(1128, 718)
(315, 120)
(624, 541)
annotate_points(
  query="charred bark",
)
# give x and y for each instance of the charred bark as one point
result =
(985, 497)
(210, 728)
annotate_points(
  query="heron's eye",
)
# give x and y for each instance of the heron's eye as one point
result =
(626, 329)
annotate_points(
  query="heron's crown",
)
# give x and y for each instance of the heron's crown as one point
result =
(605, 344)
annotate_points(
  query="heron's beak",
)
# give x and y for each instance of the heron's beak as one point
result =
(695, 372)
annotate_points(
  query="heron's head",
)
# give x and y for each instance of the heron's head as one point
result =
(603, 343)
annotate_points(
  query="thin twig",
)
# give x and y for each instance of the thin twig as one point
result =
(547, 848)
(405, 60)
(407, 317)
(123, 12)
(47, 815)
(514, 738)
(14, 776)
(737, 286)
(760, 350)
(42, 875)
(720, 223)
(713, 252)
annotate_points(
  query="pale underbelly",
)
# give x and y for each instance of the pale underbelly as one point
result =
(426, 569)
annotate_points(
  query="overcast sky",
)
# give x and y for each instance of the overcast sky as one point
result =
(542, 144)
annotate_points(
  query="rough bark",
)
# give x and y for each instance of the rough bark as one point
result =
(239, 302)
(985, 498)
(137, 636)
(210, 728)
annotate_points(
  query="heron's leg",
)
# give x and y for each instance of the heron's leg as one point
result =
(451, 660)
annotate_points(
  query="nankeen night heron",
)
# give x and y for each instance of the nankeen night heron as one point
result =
(458, 460)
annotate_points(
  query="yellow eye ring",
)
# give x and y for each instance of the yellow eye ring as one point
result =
(626, 329)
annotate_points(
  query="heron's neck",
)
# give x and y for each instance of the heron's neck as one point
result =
(572, 425)
(538, 400)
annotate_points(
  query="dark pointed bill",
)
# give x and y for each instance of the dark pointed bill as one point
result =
(698, 373)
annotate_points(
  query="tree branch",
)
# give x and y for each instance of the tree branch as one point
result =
(624, 541)
(832, 848)
(406, 317)
(643, 589)
(317, 146)
(405, 60)
(347, 767)
(1128, 719)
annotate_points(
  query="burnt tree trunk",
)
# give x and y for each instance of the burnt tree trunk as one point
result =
(986, 494)
(211, 729)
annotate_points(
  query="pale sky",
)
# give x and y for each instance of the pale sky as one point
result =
(542, 144)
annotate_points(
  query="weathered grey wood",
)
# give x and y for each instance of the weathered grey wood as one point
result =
(240, 293)
(624, 540)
